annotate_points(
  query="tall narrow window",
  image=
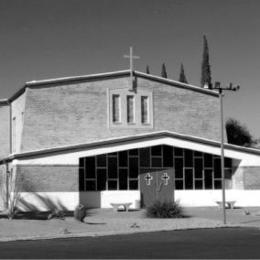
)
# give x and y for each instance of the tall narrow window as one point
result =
(144, 110)
(14, 135)
(130, 109)
(116, 108)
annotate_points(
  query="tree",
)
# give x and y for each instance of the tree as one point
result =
(182, 77)
(164, 72)
(147, 69)
(205, 66)
(238, 134)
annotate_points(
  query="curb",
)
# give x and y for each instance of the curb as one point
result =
(111, 233)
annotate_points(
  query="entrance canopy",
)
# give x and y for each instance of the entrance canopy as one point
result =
(71, 154)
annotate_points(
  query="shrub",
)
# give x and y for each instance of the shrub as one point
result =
(166, 209)
(80, 212)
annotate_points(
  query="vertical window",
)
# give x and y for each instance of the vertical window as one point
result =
(14, 135)
(116, 108)
(144, 110)
(130, 109)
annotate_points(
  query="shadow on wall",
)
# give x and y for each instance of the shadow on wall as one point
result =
(41, 203)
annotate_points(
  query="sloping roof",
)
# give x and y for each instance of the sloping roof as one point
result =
(121, 140)
(106, 75)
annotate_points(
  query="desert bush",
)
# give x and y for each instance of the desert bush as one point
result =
(165, 209)
(80, 212)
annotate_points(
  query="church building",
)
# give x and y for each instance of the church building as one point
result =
(119, 137)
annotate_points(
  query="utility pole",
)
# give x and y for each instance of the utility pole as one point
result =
(221, 95)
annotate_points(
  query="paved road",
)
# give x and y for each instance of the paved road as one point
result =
(210, 243)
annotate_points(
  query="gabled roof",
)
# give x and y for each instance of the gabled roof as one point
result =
(106, 75)
(126, 139)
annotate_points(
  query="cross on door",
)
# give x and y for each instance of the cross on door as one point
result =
(165, 178)
(148, 178)
(131, 58)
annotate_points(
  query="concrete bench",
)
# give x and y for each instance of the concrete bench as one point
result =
(116, 206)
(230, 204)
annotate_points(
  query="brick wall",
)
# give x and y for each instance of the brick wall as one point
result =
(4, 131)
(77, 113)
(55, 178)
(251, 177)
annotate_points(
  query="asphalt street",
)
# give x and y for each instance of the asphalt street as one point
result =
(207, 243)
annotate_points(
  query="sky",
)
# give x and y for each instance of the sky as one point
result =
(41, 39)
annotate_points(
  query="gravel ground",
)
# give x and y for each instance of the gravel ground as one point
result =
(98, 222)
(106, 222)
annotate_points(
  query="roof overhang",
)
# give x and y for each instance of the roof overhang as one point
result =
(138, 141)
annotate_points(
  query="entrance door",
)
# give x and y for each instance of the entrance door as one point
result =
(156, 185)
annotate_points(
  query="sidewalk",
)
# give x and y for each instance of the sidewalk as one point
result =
(102, 222)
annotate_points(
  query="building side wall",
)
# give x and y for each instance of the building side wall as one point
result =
(48, 178)
(251, 177)
(78, 113)
(18, 109)
(4, 131)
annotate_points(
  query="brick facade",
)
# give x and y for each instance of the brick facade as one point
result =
(4, 131)
(78, 113)
(251, 176)
(49, 178)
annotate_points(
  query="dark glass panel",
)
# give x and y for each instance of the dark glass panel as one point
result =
(217, 168)
(156, 150)
(208, 179)
(178, 151)
(133, 167)
(167, 156)
(145, 157)
(90, 167)
(123, 159)
(112, 154)
(178, 168)
(198, 167)
(90, 185)
(217, 184)
(123, 178)
(198, 184)
(197, 154)
(188, 179)
(228, 163)
(228, 174)
(81, 179)
(133, 185)
(112, 167)
(188, 155)
(81, 162)
(179, 184)
(156, 162)
(101, 179)
(112, 185)
(102, 160)
(133, 152)
(208, 160)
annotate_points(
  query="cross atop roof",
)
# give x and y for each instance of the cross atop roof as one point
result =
(131, 58)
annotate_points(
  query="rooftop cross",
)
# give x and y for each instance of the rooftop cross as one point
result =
(131, 58)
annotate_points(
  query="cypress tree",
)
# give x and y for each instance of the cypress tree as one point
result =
(205, 66)
(147, 69)
(164, 72)
(182, 77)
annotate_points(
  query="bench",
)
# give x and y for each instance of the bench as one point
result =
(116, 206)
(229, 204)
